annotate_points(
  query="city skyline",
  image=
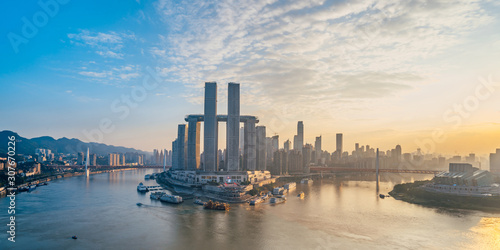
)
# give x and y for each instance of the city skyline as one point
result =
(379, 73)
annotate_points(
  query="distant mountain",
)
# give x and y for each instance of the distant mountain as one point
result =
(63, 145)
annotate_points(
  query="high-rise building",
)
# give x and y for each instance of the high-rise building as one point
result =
(250, 148)
(286, 145)
(181, 146)
(495, 162)
(317, 147)
(242, 140)
(210, 130)
(233, 126)
(261, 147)
(193, 144)
(339, 149)
(299, 139)
(79, 159)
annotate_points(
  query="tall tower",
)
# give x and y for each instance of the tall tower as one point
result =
(210, 128)
(317, 147)
(181, 147)
(339, 146)
(298, 141)
(193, 146)
(261, 147)
(233, 127)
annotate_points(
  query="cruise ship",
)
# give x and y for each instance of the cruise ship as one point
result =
(171, 198)
(156, 195)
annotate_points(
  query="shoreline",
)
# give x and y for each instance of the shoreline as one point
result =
(3, 192)
(415, 194)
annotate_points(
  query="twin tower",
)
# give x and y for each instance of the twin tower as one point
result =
(186, 148)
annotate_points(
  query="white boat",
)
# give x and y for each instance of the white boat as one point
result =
(142, 188)
(156, 195)
(306, 181)
(171, 198)
(256, 201)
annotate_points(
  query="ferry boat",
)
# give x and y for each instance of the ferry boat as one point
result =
(277, 200)
(301, 195)
(306, 181)
(278, 190)
(290, 186)
(256, 201)
(216, 205)
(142, 188)
(171, 198)
(156, 195)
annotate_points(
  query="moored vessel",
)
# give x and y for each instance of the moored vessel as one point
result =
(171, 198)
(216, 205)
(142, 188)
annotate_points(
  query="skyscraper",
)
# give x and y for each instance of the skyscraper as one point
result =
(181, 146)
(317, 147)
(286, 145)
(210, 127)
(261, 147)
(193, 146)
(300, 136)
(339, 149)
(233, 125)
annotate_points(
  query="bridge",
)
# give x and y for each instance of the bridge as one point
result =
(371, 170)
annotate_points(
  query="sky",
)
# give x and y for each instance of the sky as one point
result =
(422, 74)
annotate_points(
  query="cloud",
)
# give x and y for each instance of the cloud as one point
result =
(107, 45)
(311, 52)
(95, 74)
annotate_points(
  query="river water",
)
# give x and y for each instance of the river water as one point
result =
(338, 213)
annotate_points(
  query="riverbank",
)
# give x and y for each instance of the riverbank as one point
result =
(3, 190)
(415, 194)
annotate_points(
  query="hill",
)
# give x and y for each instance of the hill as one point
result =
(63, 145)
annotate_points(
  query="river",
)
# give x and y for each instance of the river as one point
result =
(338, 213)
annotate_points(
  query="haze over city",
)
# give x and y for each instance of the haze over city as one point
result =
(380, 72)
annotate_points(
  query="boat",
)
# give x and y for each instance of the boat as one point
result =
(306, 181)
(382, 196)
(301, 195)
(147, 177)
(156, 195)
(138, 204)
(256, 201)
(31, 188)
(216, 205)
(290, 186)
(278, 199)
(199, 202)
(142, 188)
(23, 189)
(74, 237)
(171, 198)
(279, 190)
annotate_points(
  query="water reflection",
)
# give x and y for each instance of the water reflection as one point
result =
(338, 212)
